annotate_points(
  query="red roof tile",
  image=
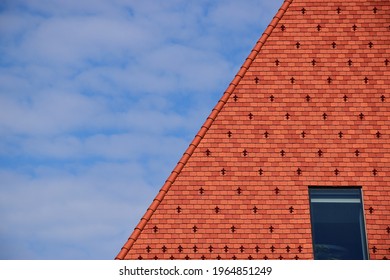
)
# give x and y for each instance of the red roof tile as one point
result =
(309, 107)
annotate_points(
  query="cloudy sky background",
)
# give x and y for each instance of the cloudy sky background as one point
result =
(98, 101)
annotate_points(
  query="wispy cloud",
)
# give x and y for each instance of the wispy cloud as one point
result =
(98, 100)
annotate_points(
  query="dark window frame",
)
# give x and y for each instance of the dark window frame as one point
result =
(347, 192)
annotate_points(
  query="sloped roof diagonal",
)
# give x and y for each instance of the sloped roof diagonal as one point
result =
(310, 106)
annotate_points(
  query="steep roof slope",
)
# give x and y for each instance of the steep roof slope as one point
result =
(309, 107)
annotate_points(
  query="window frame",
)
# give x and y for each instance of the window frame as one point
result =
(362, 222)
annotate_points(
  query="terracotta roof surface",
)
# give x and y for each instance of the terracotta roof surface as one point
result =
(309, 107)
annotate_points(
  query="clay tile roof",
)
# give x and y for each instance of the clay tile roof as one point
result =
(309, 107)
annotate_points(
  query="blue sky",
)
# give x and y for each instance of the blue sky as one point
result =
(98, 101)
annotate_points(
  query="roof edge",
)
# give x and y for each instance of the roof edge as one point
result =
(199, 136)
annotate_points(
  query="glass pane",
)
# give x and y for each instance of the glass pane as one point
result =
(337, 224)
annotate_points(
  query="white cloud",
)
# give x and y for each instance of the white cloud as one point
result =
(74, 40)
(47, 112)
(67, 209)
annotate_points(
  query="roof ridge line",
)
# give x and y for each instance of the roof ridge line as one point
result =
(201, 133)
